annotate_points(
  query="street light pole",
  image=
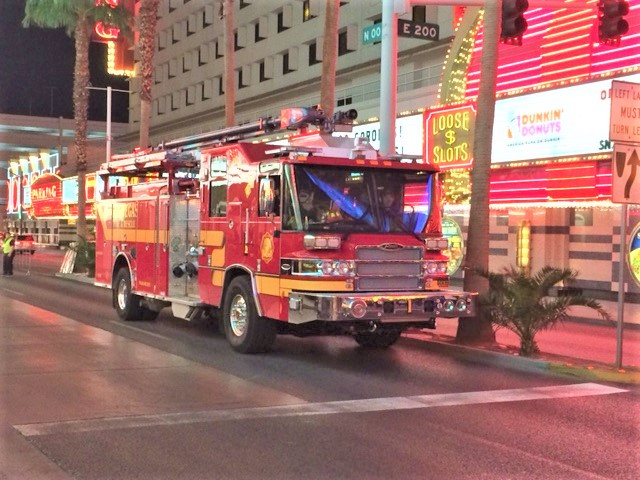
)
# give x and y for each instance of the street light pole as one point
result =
(109, 91)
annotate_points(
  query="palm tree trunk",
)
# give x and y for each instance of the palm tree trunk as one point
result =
(478, 328)
(148, 21)
(229, 65)
(80, 112)
(329, 57)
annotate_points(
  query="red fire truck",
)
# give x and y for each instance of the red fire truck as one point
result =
(318, 236)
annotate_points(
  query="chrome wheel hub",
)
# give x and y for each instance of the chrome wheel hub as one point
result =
(121, 295)
(238, 315)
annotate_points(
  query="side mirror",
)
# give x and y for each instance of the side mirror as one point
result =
(267, 196)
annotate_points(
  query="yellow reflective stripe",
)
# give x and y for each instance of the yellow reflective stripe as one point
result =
(134, 235)
(212, 238)
(269, 285)
(217, 257)
(217, 277)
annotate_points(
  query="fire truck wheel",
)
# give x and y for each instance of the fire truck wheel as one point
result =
(381, 338)
(245, 330)
(127, 304)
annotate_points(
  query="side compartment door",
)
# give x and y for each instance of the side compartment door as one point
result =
(104, 242)
(143, 249)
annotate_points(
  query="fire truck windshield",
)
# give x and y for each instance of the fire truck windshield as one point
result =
(347, 199)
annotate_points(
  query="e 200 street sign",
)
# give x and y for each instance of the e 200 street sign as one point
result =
(425, 31)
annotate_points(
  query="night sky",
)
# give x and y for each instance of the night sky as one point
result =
(36, 71)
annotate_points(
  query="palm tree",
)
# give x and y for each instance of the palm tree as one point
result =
(148, 20)
(478, 328)
(78, 17)
(521, 302)
(229, 65)
(329, 56)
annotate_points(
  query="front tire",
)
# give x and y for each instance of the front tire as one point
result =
(380, 338)
(126, 303)
(245, 330)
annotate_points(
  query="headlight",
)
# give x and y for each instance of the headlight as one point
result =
(431, 267)
(327, 267)
(461, 305)
(343, 268)
(442, 267)
(449, 305)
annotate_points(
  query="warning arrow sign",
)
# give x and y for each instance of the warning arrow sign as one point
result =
(626, 174)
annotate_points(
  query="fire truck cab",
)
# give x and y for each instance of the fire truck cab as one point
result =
(318, 236)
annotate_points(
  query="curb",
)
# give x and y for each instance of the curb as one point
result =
(76, 277)
(555, 366)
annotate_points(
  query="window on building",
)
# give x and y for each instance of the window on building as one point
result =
(306, 11)
(523, 253)
(241, 79)
(343, 43)
(256, 33)
(220, 86)
(244, 3)
(235, 42)
(203, 54)
(285, 64)
(206, 88)
(313, 54)
(345, 101)
(262, 75)
(419, 14)
(219, 50)
(281, 23)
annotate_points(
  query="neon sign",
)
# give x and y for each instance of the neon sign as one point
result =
(448, 136)
(119, 55)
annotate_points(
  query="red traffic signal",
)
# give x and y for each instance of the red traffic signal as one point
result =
(513, 21)
(611, 24)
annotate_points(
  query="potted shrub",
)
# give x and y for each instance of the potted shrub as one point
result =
(522, 303)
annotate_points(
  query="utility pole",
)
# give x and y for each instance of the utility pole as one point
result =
(109, 91)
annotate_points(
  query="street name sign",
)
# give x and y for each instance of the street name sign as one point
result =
(624, 125)
(372, 33)
(626, 174)
(424, 31)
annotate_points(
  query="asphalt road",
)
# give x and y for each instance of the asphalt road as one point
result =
(314, 408)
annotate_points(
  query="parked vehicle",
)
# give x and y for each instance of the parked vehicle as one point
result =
(277, 239)
(25, 243)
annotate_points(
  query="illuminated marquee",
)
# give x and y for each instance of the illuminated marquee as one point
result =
(119, 53)
(46, 193)
(448, 136)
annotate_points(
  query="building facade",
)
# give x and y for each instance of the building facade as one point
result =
(278, 55)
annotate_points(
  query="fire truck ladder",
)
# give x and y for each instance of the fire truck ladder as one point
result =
(289, 119)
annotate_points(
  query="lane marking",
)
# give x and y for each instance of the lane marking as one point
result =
(13, 291)
(157, 335)
(322, 408)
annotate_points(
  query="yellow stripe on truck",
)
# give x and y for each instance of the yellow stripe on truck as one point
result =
(212, 238)
(135, 235)
(269, 285)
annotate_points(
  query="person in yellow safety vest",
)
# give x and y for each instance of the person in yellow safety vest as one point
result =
(8, 250)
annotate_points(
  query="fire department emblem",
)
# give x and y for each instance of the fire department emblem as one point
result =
(266, 247)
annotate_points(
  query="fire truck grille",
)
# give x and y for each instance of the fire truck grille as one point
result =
(388, 267)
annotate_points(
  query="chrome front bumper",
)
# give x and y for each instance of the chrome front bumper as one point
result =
(387, 307)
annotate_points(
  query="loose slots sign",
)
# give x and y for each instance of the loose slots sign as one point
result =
(448, 136)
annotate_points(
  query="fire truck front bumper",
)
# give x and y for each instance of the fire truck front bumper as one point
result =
(388, 307)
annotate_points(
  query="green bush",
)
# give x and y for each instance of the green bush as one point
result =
(522, 303)
(85, 257)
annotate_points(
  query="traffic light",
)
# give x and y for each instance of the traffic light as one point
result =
(513, 21)
(611, 25)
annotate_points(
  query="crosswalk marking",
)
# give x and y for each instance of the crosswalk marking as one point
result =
(321, 408)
